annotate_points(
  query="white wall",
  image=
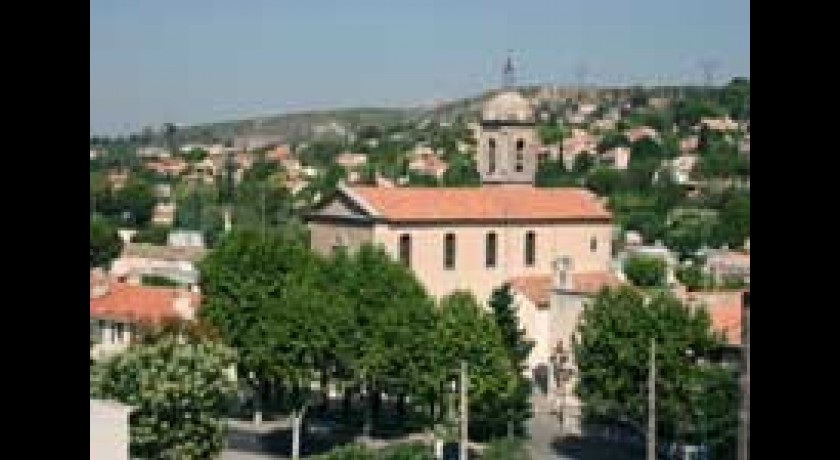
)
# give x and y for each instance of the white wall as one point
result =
(109, 430)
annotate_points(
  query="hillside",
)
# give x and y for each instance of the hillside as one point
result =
(303, 126)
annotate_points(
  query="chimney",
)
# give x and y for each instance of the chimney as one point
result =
(183, 304)
(562, 273)
(98, 283)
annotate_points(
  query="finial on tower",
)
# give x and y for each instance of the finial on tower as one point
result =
(507, 75)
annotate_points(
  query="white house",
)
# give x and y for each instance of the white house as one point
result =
(118, 308)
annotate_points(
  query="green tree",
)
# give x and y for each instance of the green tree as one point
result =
(178, 391)
(417, 179)
(734, 225)
(154, 234)
(101, 197)
(552, 173)
(645, 271)
(105, 242)
(518, 347)
(583, 163)
(393, 316)
(693, 277)
(462, 172)
(465, 332)
(612, 351)
(194, 155)
(136, 202)
(550, 133)
(265, 293)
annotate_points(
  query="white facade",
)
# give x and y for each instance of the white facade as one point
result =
(109, 430)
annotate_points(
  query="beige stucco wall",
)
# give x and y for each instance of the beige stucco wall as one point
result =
(325, 235)
(506, 138)
(470, 272)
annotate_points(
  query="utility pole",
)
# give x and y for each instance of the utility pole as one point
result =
(744, 413)
(651, 447)
(464, 413)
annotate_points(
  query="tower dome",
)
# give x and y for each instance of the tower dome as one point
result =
(507, 106)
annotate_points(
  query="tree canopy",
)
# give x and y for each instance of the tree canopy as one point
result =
(645, 271)
(178, 391)
(695, 401)
(105, 242)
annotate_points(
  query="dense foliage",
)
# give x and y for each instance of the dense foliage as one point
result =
(105, 242)
(360, 320)
(645, 271)
(696, 400)
(403, 451)
(178, 392)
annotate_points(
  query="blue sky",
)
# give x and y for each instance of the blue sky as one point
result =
(194, 61)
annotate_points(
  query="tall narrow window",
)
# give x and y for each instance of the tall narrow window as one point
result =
(405, 249)
(449, 251)
(490, 250)
(530, 249)
(491, 157)
(520, 156)
(593, 244)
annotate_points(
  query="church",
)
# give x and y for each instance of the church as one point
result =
(553, 245)
(476, 238)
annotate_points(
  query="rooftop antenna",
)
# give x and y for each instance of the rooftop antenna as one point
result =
(508, 79)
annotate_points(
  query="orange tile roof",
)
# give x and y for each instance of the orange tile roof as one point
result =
(724, 308)
(592, 282)
(135, 303)
(537, 288)
(508, 202)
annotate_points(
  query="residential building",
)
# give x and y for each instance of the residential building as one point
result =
(689, 144)
(118, 309)
(429, 164)
(167, 166)
(153, 152)
(641, 132)
(141, 259)
(117, 178)
(617, 157)
(351, 161)
(579, 142)
(725, 264)
(719, 124)
(681, 168)
(549, 306)
(279, 154)
(109, 430)
(164, 214)
(186, 238)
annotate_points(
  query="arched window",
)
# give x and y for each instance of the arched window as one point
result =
(449, 251)
(520, 155)
(593, 244)
(490, 250)
(405, 249)
(491, 158)
(530, 249)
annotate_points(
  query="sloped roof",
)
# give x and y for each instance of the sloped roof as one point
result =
(537, 288)
(500, 202)
(136, 303)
